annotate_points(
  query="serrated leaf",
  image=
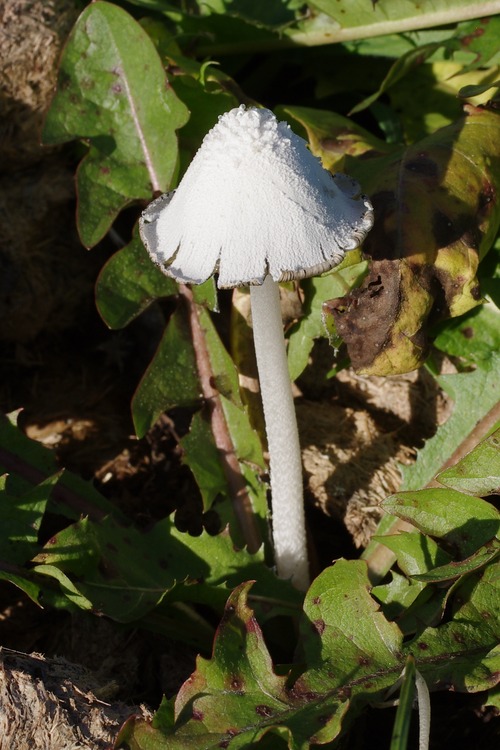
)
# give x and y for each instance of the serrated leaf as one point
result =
(349, 653)
(478, 473)
(236, 697)
(130, 127)
(128, 284)
(240, 669)
(231, 698)
(124, 572)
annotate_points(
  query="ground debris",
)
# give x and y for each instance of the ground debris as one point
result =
(51, 704)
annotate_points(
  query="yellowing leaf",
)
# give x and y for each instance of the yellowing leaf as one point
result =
(436, 215)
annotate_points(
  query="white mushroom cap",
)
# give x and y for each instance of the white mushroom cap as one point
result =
(254, 201)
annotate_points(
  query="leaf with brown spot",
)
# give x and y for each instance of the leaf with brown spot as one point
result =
(127, 582)
(436, 216)
(333, 137)
(113, 94)
(237, 697)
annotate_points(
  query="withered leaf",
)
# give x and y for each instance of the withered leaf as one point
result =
(436, 215)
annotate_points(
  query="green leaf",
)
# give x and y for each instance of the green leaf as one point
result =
(113, 93)
(332, 137)
(205, 102)
(236, 697)
(427, 99)
(398, 70)
(28, 464)
(462, 520)
(477, 560)
(171, 379)
(397, 595)
(128, 283)
(474, 338)
(20, 519)
(231, 698)
(480, 37)
(478, 473)
(68, 588)
(469, 92)
(354, 19)
(123, 572)
(222, 366)
(21, 516)
(349, 655)
(463, 653)
(244, 691)
(345, 636)
(201, 455)
(415, 553)
(192, 369)
(477, 338)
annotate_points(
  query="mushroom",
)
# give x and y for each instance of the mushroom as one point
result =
(256, 207)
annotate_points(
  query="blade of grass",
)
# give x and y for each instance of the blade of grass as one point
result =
(401, 729)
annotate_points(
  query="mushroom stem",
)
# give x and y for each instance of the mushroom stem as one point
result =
(287, 501)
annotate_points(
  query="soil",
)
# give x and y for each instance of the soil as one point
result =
(73, 379)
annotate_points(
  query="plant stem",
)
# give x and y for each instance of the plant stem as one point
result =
(242, 503)
(287, 500)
